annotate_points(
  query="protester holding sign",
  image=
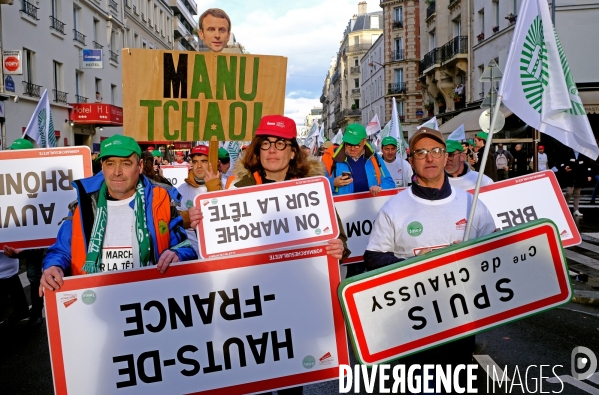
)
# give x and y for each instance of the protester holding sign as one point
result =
(224, 165)
(460, 174)
(356, 167)
(399, 168)
(431, 214)
(120, 221)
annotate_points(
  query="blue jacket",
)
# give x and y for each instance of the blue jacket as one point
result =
(376, 171)
(61, 253)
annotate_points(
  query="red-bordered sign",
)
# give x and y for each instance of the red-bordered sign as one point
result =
(383, 330)
(35, 192)
(266, 225)
(109, 290)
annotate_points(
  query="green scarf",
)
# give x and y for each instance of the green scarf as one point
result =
(94, 250)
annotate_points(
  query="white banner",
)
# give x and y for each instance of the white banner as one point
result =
(35, 191)
(511, 202)
(457, 291)
(176, 174)
(266, 217)
(238, 325)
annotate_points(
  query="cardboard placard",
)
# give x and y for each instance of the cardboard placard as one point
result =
(35, 191)
(266, 217)
(192, 96)
(215, 326)
(454, 292)
(176, 174)
(511, 202)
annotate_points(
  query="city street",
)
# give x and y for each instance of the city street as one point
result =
(545, 339)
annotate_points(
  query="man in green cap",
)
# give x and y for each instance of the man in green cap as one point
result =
(460, 174)
(120, 221)
(490, 169)
(356, 167)
(399, 168)
(224, 165)
(21, 144)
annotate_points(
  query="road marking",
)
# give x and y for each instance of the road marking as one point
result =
(579, 311)
(572, 381)
(585, 260)
(486, 362)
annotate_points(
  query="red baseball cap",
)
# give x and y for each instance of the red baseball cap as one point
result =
(150, 148)
(199, 150)
(277, 126)
(541, 147)
(179, 153)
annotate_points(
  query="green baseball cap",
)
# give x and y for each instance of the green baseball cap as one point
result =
(452, 145)
(389, 140)
(354, 134)
(21, 144)
(482, 135)
(156, 153)
(119, 145)
(223, 153)
(471, 142)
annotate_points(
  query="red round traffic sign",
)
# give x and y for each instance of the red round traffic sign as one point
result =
(11, 63)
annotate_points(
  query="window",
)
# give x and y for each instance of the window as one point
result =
(398, 74)
(113, 44)
(356, 82)
(481, 70)
(496, 12)
(79, 88)
(55, 8)
(457, 26)
(356, 40)
(112, 94)
(432, 40)
(75, 12)
(57, 76)
(515, 7)
(355, 62)
(96, 30)
(136, 40)
(98, 93)
(398, 49)
(400, 111)
(398, 14)
(481, 20)
(28, 65)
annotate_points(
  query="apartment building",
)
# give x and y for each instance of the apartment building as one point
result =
(402, 49)
(149, 24)
(372, 89)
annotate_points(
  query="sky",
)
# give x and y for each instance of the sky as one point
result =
(308, 33)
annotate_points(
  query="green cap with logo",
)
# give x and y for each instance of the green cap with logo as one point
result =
(21, 144)
(354, 134)
(389, 140)
(452, 146)
(223, 153)
(482, 135)
(156, 153)
(119, 145)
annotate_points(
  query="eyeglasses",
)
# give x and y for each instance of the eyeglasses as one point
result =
(452, 154)
(280, 145)
(435, 153)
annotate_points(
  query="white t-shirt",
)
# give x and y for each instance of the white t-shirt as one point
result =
(188, 195)
(8, 266)
(468, 180)
(120, 249)
(401, 172)
(542, 158)
(406, 223)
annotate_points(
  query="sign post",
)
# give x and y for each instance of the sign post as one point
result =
(454, 292)
(223, 326)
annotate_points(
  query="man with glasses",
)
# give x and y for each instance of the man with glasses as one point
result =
(356, 167)
(460, 174)
(430, 214)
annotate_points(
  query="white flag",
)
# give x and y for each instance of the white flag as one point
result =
(338, 139)
(233, 148)
(458, 135)
(373, 126)
(320, 136)
(431, 123)
(387, 129)
(537, 84)
(41, 127)
(312, 135)
(396, 130)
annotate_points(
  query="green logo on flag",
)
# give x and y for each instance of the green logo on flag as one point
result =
(533, 65)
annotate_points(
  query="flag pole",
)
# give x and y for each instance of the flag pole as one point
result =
(482, 168)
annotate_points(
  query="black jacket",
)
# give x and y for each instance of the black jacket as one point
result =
(581, 170)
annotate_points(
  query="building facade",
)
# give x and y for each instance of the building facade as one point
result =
(148, 24)
(51, 36)
(402, 22)
(372, 88)
(184, 24)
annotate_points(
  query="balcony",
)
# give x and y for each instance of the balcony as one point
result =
(29, 9)
(79, 37)
(97, 45)
(114, 57)
(143, 17)
(402, 118)
(114, 5)
(57, 25)
(430, 10)
(397, 24)
(358, 47)
(456, 46)
(395, 88)
(398, 54)
(135, 9)
(180, 28)
(31, 90)
(352, 112)
(354, 70)
(181, 9)
(60, 97)
(80, 99)
(430, 59)
(355, 91)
